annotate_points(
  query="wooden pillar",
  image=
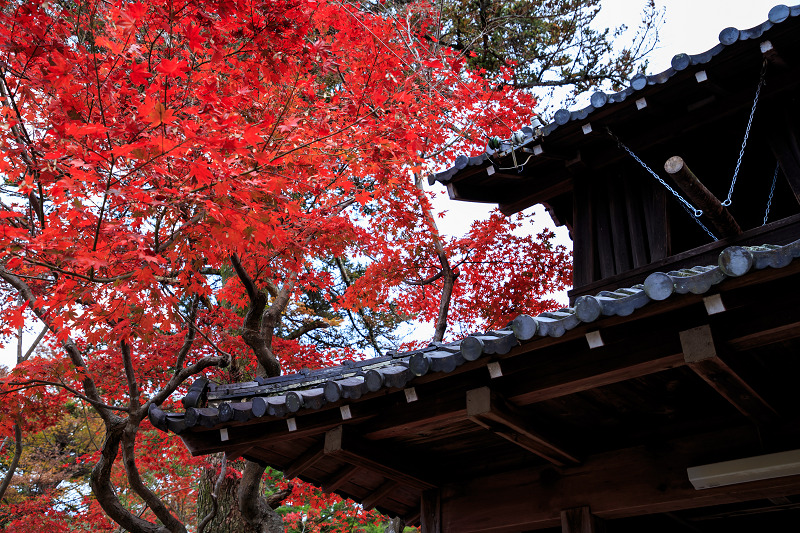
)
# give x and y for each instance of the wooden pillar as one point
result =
(430, 512)
(580, 520)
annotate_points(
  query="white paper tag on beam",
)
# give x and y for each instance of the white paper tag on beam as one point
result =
(494, 370)
(714, 304)
(223, 434)
(594, 339)
(292, 424)
(346, 414)
(411, 395)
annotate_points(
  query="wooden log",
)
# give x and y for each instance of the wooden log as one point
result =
(701, 197)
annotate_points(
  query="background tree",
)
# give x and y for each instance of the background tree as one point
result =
(549, 43)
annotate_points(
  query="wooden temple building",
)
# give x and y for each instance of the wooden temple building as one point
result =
(665, 398)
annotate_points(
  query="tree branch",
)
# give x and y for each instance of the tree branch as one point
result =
(74, 353)
(14, 462)
(135, 479)
(103, 488)
(305, 327)
(254, 508)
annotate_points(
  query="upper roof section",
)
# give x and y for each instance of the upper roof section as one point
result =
(696, 85)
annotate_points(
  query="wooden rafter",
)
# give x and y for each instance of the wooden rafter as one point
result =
(700, 353)
(306, 460)
(491, 412)
(339, 478)
(380, 493)
(350, 450)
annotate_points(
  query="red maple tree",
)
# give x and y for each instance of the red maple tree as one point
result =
(174, 176)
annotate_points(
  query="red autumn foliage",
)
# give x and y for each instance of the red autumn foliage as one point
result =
(148, 146)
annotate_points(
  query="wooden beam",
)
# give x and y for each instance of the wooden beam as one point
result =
(700, 354)
(378, 494)
(348, 449)
(780, 333)
(430, 512)
(206, 442)
(546, 189)
(641, 480)
(339, 478)
(592, 368)
(305, 461)
(491, 412)
(577, 520)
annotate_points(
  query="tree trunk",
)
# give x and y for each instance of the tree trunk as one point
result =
(228, 518)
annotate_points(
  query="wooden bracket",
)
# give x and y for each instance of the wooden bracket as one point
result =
(489, 411)
(700, 354)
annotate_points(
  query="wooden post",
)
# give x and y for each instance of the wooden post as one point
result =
(701, 197)
(430, 512)
(578, 520)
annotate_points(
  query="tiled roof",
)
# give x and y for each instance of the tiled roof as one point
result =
(680, 62)
(283, 395)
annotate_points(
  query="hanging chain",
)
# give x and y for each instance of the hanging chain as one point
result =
(727, 201)
(771, 192)
(692, 210)
(699, 222)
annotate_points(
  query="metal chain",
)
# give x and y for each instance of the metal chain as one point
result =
(727, 201)
(692, 210)
(771, 192)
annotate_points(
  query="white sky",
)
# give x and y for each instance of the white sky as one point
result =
(690, 26)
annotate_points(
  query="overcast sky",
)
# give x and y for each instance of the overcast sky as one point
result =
(690, 26)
